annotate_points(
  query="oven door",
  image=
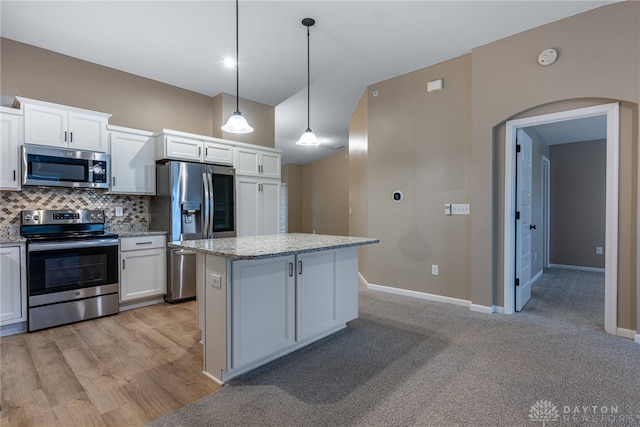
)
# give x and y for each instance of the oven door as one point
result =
(65, 270)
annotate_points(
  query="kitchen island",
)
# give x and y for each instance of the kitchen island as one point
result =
(262, 297)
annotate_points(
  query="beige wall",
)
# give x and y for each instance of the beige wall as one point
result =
(325, 195)
(578, 209)
(133, 101)
(418, 143)
(292, 177)
(448, 146)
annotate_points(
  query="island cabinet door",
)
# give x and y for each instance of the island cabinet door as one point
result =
(263, 308)
(316, 293)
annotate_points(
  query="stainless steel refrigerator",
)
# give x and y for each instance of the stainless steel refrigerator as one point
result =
(193, 201)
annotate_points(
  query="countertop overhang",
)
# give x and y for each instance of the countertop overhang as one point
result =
(257, 247)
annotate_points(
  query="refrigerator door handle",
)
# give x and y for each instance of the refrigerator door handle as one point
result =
(211, 205)
(206, 214)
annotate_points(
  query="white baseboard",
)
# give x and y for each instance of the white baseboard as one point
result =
(421, 295)
(15, 328)
(577, 267)
(537, 276)
(362, 282)
(637, 338)
(625, 333)
(482, 308)
(498, 309)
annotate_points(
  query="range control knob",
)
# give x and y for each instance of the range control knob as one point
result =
(27, 217)
(36, 217)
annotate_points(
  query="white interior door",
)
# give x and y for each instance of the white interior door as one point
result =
(523, 225)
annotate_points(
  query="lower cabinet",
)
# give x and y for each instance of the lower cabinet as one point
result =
(142, 267)
(263, 308)
(13, 294)
(280, 304)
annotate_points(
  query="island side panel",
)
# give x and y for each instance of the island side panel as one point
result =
(215, 332)
(347, 284)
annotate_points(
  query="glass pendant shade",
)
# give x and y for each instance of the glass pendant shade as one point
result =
(237, 124)
(308, 138)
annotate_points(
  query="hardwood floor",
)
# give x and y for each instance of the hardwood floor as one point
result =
(122, 370)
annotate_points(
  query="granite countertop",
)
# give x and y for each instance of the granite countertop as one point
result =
(13, 241)
(256, 247)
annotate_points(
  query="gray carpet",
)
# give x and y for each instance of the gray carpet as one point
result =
(409, 362)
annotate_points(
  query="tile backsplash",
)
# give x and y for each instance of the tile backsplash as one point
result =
(135, 208)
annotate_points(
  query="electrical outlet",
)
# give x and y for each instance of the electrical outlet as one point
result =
(598, 250)
(215, 281)
(434, 269)
(119, 211)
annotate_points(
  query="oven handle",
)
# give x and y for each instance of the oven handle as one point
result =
(53, 246)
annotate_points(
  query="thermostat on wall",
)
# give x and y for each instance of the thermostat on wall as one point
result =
(397, 196)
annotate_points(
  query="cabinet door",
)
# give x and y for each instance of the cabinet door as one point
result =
(183, 148)
(142, 274)
(270, 165)
(263, 308)
(45, 126)
(133, 166)
(246, 161)
(270, 207)
(316, 294)
(12, 305)
(219, 154)
(87, 132)
(248, 208)
(10, 137)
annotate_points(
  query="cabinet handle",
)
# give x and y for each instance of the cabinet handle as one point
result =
(65, 136)
(70, 136)
(143, 243)
(14, 174)
(206, 151)
(299, 267)
(290, 269)
(113, 180)
(123, 264)
(199, 150)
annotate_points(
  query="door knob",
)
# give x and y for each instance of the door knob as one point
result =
(532, 227)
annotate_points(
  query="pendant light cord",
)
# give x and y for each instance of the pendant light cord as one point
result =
(308, 83)
(237, 62)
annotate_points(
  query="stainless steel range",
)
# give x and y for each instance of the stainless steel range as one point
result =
(72, 266)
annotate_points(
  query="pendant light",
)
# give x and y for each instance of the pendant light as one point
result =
(308, 137)
(237, 123)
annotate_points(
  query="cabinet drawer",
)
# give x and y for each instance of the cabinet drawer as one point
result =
(142, 242)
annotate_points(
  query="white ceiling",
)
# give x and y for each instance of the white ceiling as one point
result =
(353, 44)
(577, 130)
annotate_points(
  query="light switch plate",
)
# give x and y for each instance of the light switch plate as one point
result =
(460, 209)
(434, 269)
(119, 211)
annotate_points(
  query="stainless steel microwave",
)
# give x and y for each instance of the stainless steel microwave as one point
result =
(59, 167)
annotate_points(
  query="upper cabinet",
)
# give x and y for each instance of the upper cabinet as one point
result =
(10, 140)
(254, 162)
(56, 125)
(174, 145)
(133, 161)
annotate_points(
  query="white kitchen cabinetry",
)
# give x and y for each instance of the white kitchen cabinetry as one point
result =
(10, 140)
(173, 145)
(261, 163)
(257, 206)
(62, 126)
(142, 267)
(133, 161)
(13, 295)
(265, 308)
(263, 298)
